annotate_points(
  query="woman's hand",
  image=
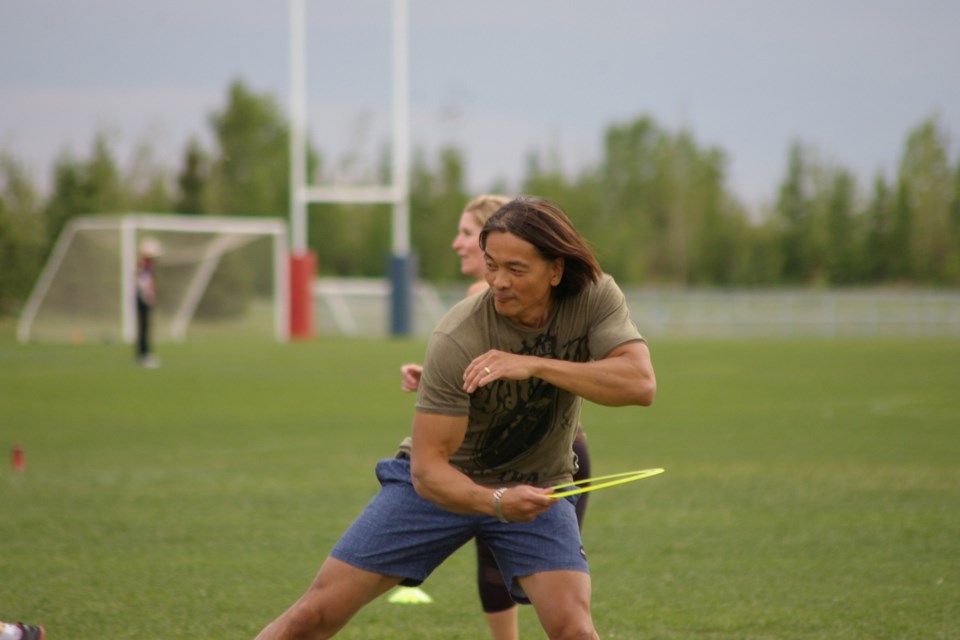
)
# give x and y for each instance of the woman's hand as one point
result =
(410, 377)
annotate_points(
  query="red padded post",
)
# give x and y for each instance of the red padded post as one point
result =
(303, 268)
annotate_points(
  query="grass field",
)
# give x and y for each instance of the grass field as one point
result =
(812, 490)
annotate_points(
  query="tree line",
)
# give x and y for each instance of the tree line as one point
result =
(657, 206)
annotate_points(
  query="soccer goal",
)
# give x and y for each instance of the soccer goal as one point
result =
(216, 276)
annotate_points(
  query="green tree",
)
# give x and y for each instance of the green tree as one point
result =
(762, 258)
(103, 187)
(794, 216)
(581, 197)
(251, 167)
(952, 275)
(629, 227)
(22, 240)
(842, 248)
(656, 207)
(880, 242)
(437, 198)
(145, 184)
(68, 195)
(90, 187)
(665, 214)
(901, 267)
(704, 224)
(927, 180)
(192, 180)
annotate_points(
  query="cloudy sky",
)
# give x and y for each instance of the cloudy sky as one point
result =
(497, 78)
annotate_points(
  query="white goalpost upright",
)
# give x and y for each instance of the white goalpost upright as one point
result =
(402, 268)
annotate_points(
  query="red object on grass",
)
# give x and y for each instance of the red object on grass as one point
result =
(18, 459)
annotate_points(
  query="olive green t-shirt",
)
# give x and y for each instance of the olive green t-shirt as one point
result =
(519, 432)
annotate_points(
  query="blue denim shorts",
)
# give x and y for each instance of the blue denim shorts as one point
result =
(400, 534)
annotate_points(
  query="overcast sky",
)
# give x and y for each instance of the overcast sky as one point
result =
(497, 78)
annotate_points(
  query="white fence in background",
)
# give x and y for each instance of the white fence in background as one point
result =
(361, 307)
(838, 313)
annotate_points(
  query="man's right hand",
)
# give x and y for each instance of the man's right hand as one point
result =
(525, 502)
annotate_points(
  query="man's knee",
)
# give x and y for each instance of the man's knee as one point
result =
(573, 631)
(569, 619)
(314, 615)
(306, 620)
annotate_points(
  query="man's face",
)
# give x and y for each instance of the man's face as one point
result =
(521, 280)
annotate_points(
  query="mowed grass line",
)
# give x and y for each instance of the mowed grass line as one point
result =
(812, 490)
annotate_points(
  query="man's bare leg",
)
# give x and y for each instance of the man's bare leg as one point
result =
(562, 601)
(337, 593)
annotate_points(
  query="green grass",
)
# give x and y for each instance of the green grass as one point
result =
(812, 490)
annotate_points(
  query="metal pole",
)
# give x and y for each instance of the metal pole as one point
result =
(128, 285)
(402, 267)
(298, 117)
(281, 283)
(401, 137)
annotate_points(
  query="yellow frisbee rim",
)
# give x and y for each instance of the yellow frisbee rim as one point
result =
(603, 482)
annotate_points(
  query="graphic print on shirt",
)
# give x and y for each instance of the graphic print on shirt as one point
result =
(523, 411)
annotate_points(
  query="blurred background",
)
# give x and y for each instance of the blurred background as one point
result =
(702, 147)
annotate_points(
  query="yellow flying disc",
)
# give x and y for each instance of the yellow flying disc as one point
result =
(602, 482)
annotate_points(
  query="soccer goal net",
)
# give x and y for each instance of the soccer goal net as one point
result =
(215, 276)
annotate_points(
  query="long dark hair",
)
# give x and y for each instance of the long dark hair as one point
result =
(544, 225)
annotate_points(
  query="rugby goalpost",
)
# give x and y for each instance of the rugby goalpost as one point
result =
(294, 271)
(233, 270)
(402, 266)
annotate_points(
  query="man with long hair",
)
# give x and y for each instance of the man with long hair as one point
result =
(496, 415)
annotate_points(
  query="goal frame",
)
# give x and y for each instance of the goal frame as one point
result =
(402, 265)
(128, 226)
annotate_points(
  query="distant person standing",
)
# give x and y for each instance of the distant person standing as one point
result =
(146, 288)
